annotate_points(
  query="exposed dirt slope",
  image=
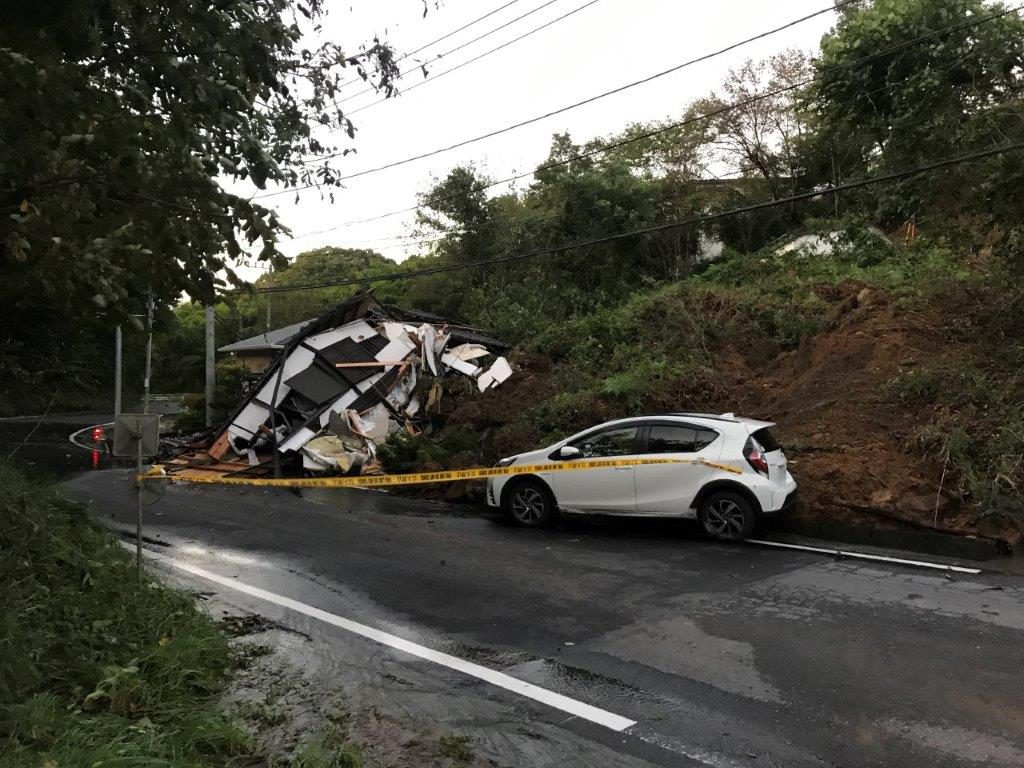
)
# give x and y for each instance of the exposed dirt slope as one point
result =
(845, 432)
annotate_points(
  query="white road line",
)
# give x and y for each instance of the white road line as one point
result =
(865, 556)
(500, 679)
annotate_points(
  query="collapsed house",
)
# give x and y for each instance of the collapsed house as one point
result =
(341, 385)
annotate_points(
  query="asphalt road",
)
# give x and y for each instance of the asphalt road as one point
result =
(723, 655)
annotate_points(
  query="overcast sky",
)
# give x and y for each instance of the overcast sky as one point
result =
(607, 44)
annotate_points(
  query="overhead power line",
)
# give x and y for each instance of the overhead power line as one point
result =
(691, 221)
(441, 39)
(690, 62)
(732, 174)
(456, 49)
(485, 54)
(592, 99)
(689, 120)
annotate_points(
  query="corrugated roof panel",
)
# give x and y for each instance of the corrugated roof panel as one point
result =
(272, 340)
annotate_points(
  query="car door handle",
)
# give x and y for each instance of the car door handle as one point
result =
(622, 469)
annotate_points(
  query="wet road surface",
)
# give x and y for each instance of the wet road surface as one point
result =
(40, 445)
(724, 656)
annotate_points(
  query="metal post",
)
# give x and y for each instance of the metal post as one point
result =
(149, 361)
(138, 456)
(270, 284)
(273, 407)
(835, 181)
(211, 364)
(138, 511)
(117, 371)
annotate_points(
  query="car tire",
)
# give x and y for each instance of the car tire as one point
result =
(727, 516)
(529, 503)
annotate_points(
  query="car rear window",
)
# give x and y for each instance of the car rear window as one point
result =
(767, 440)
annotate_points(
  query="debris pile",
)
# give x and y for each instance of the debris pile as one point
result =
(341, 385)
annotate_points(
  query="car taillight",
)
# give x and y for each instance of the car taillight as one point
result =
(755, 456)
(98, 433)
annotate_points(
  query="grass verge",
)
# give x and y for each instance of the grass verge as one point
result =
(97, 669)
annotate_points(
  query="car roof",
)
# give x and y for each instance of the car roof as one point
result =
(752, 425)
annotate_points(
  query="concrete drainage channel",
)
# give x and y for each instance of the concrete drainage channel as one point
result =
(931, 544)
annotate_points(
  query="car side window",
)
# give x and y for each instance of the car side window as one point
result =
(611, 442)
(705, 437)
(665, 438)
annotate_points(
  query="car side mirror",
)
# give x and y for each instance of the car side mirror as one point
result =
(568, 452)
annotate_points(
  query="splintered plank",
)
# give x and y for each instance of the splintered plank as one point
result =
(220, 446)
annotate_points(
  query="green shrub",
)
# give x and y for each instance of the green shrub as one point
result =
(457, 747)
(974, 421)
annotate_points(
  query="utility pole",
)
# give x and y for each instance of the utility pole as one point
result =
(138, 456)
(149, 352)
(270, 284)
(117, 371)
(211, 363)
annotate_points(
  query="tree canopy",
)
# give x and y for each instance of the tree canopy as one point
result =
(128, 130)
(900, 83)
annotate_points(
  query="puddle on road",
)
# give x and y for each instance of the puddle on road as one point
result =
(46, 451)
(591, 687)
(383, 503)
(494, 658)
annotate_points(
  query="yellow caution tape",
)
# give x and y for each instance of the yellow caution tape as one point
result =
(420, 478)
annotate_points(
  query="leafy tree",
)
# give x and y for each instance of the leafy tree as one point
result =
(458, 210)
(759, 130)
(125, 128)
(918, 100)
(320, 265)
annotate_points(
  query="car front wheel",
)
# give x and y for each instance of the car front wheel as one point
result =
(727, 516)
(529, 503)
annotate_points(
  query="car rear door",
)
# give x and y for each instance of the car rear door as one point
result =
(606, 490)
(772, 453)
(669, 489)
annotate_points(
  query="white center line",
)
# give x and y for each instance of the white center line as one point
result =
(500, 679)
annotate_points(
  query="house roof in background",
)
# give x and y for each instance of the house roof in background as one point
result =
(266, 342)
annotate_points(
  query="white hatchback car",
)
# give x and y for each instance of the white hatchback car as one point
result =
(727, 504)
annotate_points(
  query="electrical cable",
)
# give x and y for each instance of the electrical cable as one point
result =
(687, 121)
(704, 57)
(441, 39)
(691, 221)
(591, 99)
(453, 50)
(485, 54)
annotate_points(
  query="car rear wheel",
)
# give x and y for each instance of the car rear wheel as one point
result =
(529, 503)
(727, 516)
